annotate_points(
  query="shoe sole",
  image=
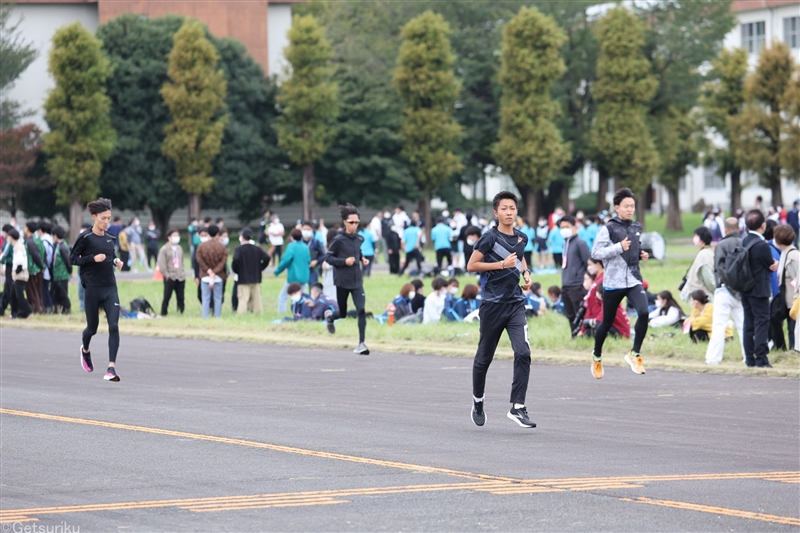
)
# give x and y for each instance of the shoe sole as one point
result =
(628, 359)
(115, 378)
(83, 361)
(518, 421)
(365, 352)
(473, 420)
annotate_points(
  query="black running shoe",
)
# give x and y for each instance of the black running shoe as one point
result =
(86, 360)
(478, 416)
(520, 416)
(329, 322)
(111, 374)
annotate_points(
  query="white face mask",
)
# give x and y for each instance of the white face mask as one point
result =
(205, 239)
(296, 297)
(225, 240)
(175, 239)
(566, 232)
(445, 214)
(453, 290)
(277, 221)
(696, 240)
(411, 295)
(591, 270)
(472, 242)
(542, 222)
(387, 215)
(307, 233)
(151, 228)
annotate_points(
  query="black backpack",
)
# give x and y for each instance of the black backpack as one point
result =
(140, 304)
(735, 271)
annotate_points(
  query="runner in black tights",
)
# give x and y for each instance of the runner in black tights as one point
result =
(94, 254)
(344, 254)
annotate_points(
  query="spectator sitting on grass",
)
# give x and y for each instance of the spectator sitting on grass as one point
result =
(554, 294)
(468, 304)
(667, 312)
(418, 301)
(702, 317)
(450, 295)
(302, 304)
(434, 303)
(535, 305)
(321, 303)
(621, 327)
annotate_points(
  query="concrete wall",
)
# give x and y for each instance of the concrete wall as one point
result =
(279, 22)
(39, 23)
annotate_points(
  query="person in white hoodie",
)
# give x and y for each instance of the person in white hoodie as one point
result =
(667, 312)
(20, 308)
(434, 303)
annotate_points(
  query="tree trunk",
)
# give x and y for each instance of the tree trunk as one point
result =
(777, 191)
(424, 207)
(194, 207)
(12, 205)
(602, 189)
(75, 220)
(641, 209)
(674, 222)
(309, 189)
(161, 218)
(736, 189)
(532, 206)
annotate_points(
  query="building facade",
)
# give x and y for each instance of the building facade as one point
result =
(261, 25)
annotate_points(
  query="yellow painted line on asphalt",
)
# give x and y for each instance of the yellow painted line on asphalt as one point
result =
(736, 513)
(254, 444)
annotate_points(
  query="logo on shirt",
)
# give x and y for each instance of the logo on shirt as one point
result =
(108, 240)
(519, 240)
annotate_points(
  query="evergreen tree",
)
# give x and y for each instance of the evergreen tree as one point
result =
(530, 149)
(308, 100)
(721, 100)
(15, 56)
(678, 142)
(621, 138)
(195, 97)
(756, 131)
(425, 80)
(77, 110)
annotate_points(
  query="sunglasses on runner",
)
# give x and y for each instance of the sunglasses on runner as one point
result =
(352, 221)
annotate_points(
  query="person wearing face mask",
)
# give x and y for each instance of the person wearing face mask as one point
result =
(403, 312)
(441, 234)
(151, 244)
(249, 261)
(667, 312)
(296, 262)
(315, 248)
(451, 295)
(418, 298)
(541, 249)
(376, 227)
(700, 275)
(573, 266)
(386, 228)
(531, 234)
(435, 302)
(471, 236)
(302, 304)
(276, 232)
(212, 259)
(170, 263)
(134, 233)
(367, 249)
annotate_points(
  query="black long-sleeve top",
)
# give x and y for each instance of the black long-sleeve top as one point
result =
(342, 246)
(87, 246)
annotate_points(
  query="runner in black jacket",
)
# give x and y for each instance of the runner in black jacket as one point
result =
(94, 254)
(344, 254)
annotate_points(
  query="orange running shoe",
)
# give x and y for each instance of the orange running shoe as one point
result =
(635, 362)
(597, 369)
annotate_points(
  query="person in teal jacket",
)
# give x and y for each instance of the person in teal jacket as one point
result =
(531, 234)
(556, 244)
(296, 260)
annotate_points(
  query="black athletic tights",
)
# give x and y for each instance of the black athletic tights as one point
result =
(359, 300)
(107, 298)
(611, 300)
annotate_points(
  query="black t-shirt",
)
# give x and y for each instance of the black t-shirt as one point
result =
(87, 246)
(502, 286)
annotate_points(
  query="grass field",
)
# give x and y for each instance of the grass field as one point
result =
(549, 335)
(658, 223)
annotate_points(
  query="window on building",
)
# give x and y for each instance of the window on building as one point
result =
(754, 36)
(682, 183)
(791, 35)
(712, 179)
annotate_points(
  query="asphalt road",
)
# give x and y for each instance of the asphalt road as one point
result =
(207, 436)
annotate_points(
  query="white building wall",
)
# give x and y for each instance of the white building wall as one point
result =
(773, 22)
(279, 22)
(39, 24)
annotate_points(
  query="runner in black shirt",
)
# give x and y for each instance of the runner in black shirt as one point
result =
(94, 254)
(499, 253)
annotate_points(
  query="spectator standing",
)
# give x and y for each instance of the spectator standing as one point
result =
(124, 250)
(134, 233)
(376, 227)
(471, 236)
(7, 259)
(45, 236)
(386, 229)
(35, 254)
(727, 303)
(192, 230)
(400, 219)
(441, 234)
(573, 266)
(296, 262)
(276, 232)
(755, 302)
(170, 264)
(249, 261)
(263, 227)
(61, 272)
(701, 273)
(212, 259)
(115, 227)
(793, 219)
(411, 245)
(555, 243)
(788, 271)
(328, 287)
(316, 249)
(152, 237)
(531, 244)
(541, 249)
(778, 341)
(20, 308)
(81, 289)
(367, 250)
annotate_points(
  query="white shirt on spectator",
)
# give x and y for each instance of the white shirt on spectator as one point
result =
(434, 307)
(276, 231)
(672, 317)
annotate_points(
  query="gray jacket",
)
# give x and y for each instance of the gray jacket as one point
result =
(617, 274)
(724, 247)
(576, 252)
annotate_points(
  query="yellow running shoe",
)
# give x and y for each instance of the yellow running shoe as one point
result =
(597, 369)
(635, 362)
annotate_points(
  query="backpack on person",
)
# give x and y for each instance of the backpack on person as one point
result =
(734, 269)
(141, 305)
